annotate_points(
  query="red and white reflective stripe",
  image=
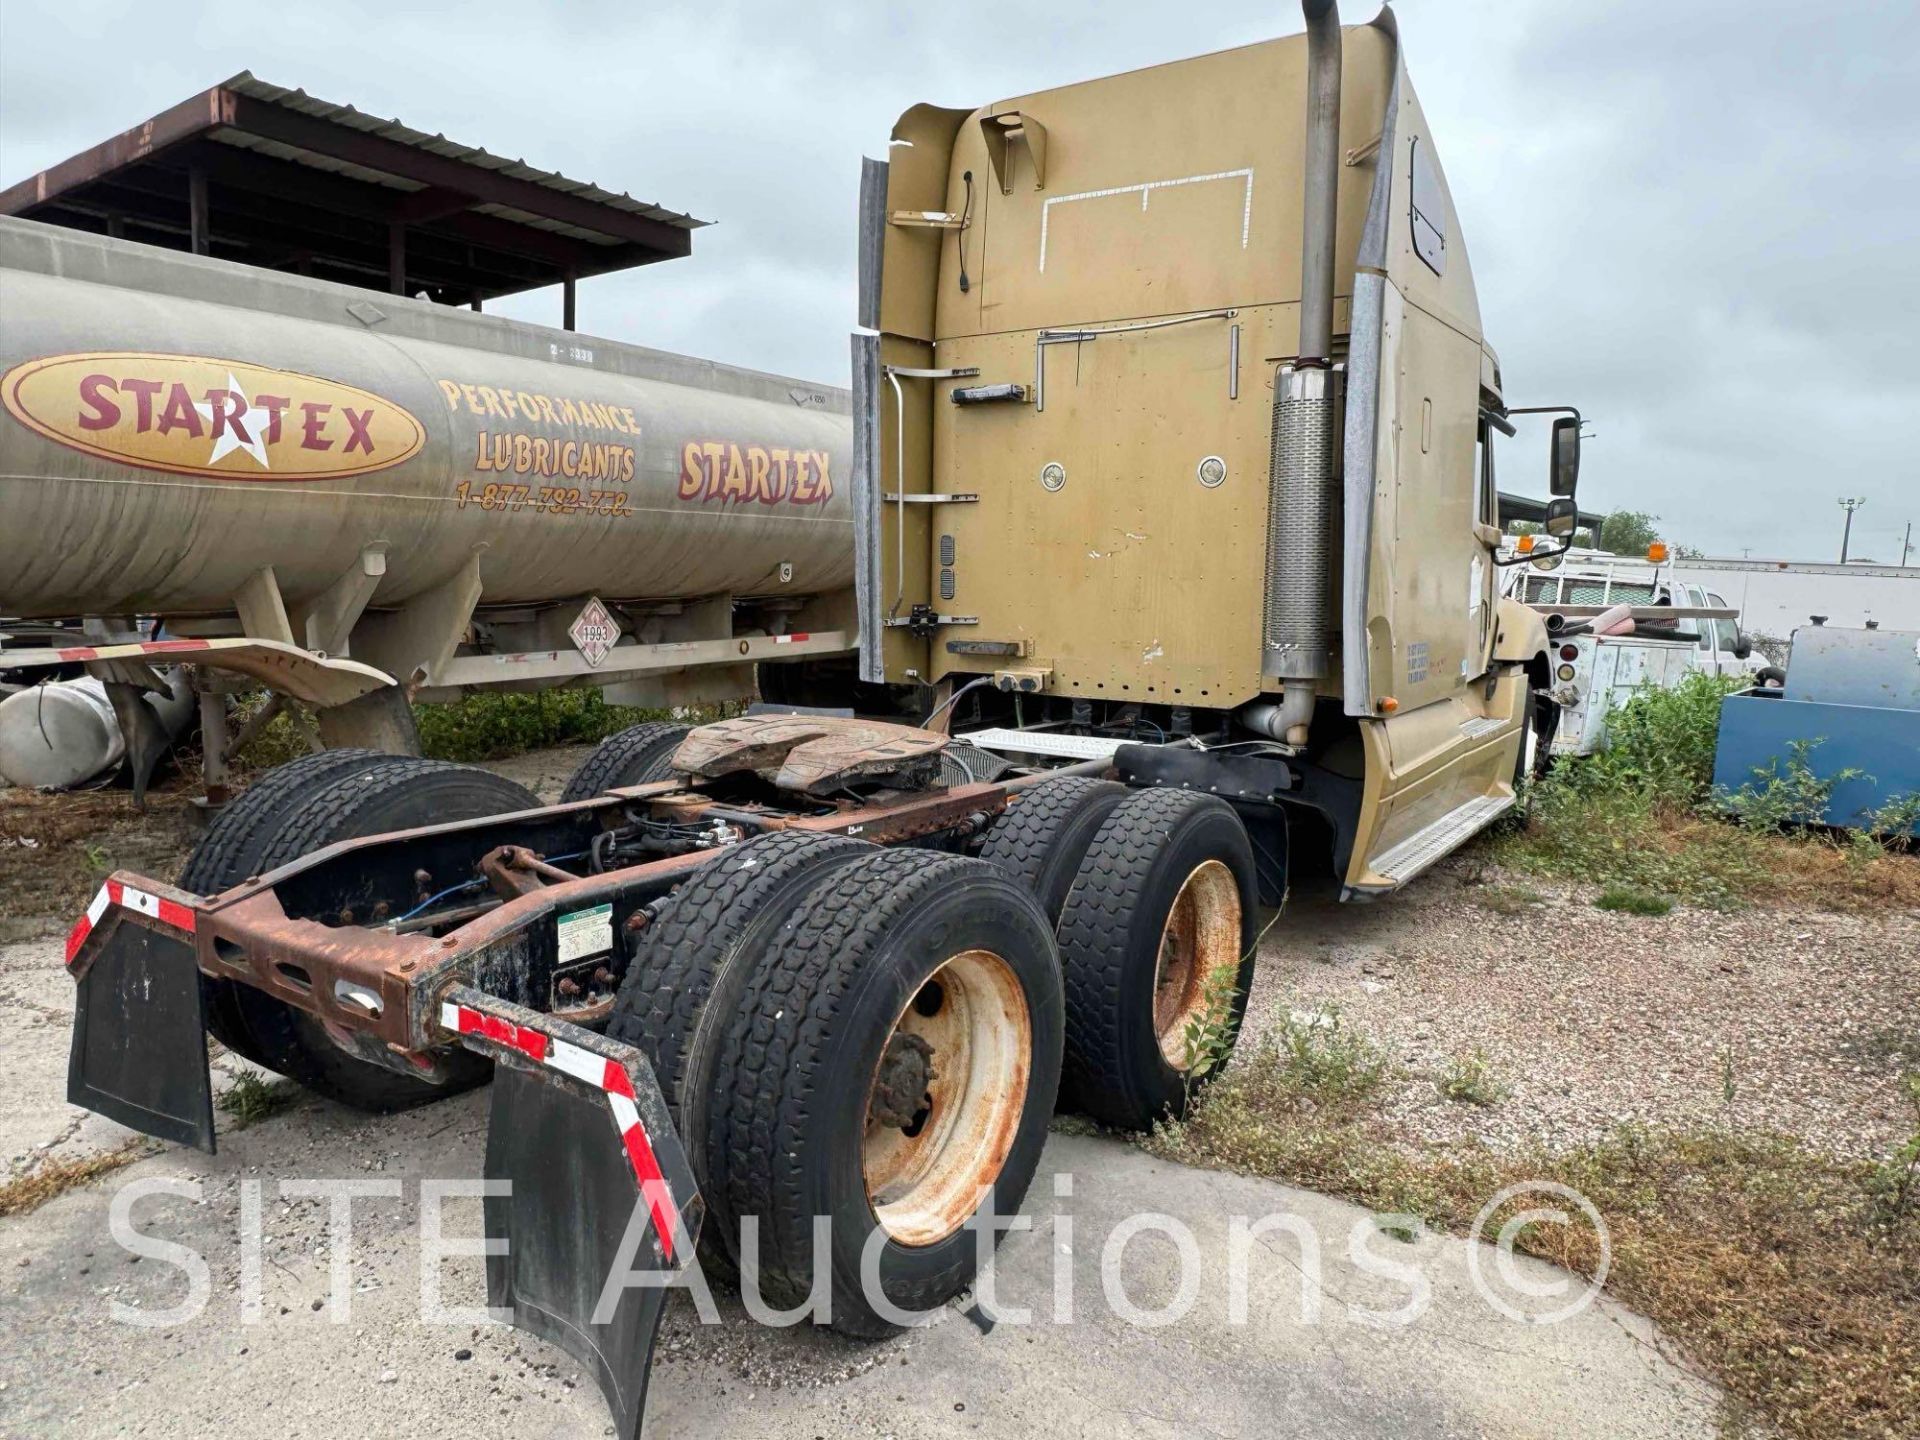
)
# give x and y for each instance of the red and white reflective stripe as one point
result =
(789, 639)
(601, 1073)
(167, 912)
(145, 647)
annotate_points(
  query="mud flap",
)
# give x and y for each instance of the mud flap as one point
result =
(599, 1214)
(139, 1051)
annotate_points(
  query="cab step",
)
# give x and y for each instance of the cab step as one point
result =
(1428, 844)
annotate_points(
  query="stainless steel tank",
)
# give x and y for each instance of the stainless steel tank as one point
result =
(173, 423)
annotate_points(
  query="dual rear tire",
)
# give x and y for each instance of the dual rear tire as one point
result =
(868, 1035)
(1152, 894)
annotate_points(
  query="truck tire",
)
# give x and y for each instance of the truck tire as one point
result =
(235, 838)
(1043, 835)
(230, 852)
(393, 793)
(893, 1060)
(1161, 913)
(685, 977)
(634, 756)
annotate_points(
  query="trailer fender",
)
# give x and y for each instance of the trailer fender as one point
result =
(584, 1158)
(139, 1050)
(306, 675)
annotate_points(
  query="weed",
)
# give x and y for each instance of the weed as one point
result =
(1895, 1183)
(26, 1193)
(1896, 824)
(1469, 1080)
(1794, 797)
(98, 860)
(1317, 1058)
(249, 1099)
(1208, 1038)
(1632, 901)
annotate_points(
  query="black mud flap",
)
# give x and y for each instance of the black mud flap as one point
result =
(600, 1215)
(139, 1034)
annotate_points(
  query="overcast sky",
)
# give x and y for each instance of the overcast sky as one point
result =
(1699, 222)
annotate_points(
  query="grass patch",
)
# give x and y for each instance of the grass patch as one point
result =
(250, 1099)
(1628, 900)
(1641, 816)
(24, 1194)
(1507, 899)
(1793, 1279)
(1469, 1080)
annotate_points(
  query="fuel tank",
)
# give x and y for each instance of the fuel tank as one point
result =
(174, 423)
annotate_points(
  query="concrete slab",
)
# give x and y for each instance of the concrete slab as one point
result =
(1459, 1369)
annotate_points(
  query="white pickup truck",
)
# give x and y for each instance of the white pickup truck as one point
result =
(1679, 629)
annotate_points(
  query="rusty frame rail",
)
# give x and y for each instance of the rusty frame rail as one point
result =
(380, 992)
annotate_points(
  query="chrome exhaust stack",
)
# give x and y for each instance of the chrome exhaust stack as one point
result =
(1301, 500)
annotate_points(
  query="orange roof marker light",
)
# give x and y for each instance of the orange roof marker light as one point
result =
(1657, 552)
(1524, 545)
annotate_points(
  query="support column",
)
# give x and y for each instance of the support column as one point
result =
(213, 747)
(397, 258)
(566, 303)
(197, 226)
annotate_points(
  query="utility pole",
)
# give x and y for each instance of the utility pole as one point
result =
(1847, 534)
(1906, 544)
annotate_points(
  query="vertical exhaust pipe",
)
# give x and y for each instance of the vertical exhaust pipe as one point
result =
(1300, 483)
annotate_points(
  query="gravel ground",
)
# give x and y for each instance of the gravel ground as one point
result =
(1591, 1018)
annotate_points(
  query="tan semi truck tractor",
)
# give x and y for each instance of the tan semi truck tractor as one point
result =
(1174, 524)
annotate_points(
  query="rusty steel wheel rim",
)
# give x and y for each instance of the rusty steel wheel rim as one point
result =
(1200, 940)
(965, 1040)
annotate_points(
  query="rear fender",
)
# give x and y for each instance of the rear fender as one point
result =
(581, 1137)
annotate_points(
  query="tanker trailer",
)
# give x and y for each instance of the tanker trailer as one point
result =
(362, 499)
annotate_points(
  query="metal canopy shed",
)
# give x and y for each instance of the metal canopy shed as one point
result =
(273, 177)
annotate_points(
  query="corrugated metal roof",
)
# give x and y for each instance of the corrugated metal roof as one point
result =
(246, 83)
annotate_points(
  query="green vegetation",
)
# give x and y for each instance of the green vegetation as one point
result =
(250, 1099)
(1317, 1058)
(1793, 1279)
(1626, 899)
(1641, 819)
(1628, 532)
(491, 724)
(1469, 1079)
(486, 725)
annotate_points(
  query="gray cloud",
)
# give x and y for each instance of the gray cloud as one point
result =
(1697, 222)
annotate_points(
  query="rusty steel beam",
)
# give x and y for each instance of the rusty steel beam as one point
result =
(292, 228)
(289, 127)
(302, 185)
(186, 121)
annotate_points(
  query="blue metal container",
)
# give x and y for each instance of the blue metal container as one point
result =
(1855, 694)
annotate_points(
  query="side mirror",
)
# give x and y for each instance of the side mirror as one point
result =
(1742, 646)
(1565, 457)
(1562, 516)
